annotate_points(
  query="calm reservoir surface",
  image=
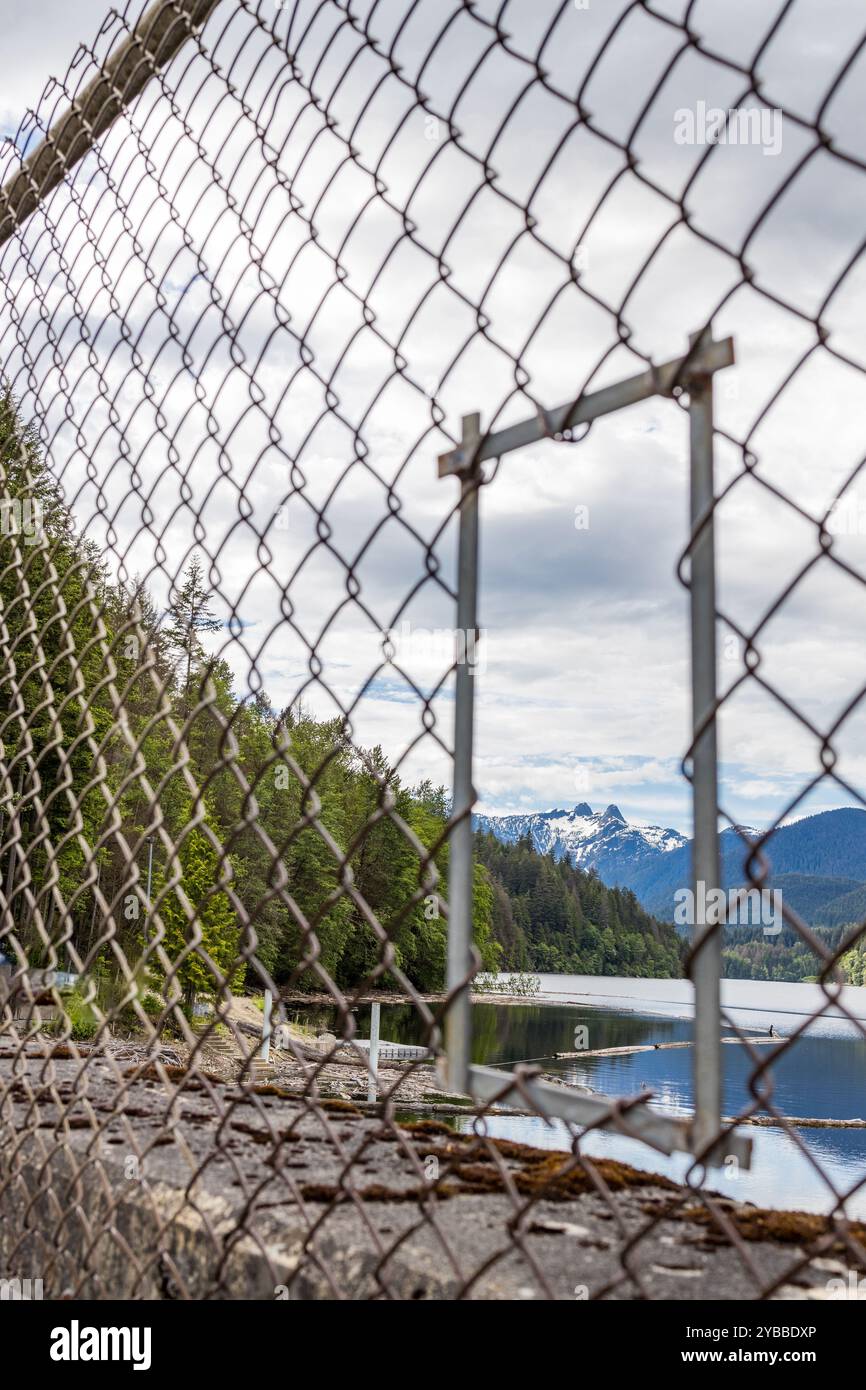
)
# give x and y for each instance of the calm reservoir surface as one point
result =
(822, 1075)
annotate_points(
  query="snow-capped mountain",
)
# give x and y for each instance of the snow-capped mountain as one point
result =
(819, 862)
(600, 840)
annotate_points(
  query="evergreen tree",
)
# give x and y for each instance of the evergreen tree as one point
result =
(202, 933)
(190, 613)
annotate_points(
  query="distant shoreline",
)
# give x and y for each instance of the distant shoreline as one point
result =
(674, 1009)
(486, 997)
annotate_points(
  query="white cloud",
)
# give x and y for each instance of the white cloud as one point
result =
(304, 367)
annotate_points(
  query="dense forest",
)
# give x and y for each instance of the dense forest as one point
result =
(123, 742)
(749, 955)
(128, 755)
(550, 916)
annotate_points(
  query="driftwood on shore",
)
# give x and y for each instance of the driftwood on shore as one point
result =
(652, 1047)
(798, 1122)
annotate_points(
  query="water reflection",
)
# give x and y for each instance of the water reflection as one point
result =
(822, 1075)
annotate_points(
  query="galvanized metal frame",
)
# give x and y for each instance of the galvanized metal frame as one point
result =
(160, 33)
(703, 1134)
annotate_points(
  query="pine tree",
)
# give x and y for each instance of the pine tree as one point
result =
(189, 613)
(203, 948)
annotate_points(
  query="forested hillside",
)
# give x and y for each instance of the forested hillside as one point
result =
(750, 955)
(550, 916)
(271, 833)
(118, 726)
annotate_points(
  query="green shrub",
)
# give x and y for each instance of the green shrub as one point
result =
(80, 1022)
(151, 1004)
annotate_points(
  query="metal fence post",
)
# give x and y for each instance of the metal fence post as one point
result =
(706, 964)
(373, 1086)
(458, 1023)
(265, 1050)
(693, 372)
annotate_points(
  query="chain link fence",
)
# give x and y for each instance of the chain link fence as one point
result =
(258, 262)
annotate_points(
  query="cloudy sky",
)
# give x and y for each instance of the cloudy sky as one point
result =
(270, 377)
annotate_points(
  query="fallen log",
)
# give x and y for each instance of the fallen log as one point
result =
(652, 1047)
(798, 1122)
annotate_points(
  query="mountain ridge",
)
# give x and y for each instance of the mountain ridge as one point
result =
(600, 840)
(818, 862)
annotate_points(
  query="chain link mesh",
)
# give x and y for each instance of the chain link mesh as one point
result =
(283, 258)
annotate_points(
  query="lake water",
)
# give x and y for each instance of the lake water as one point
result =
(822, 1075)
